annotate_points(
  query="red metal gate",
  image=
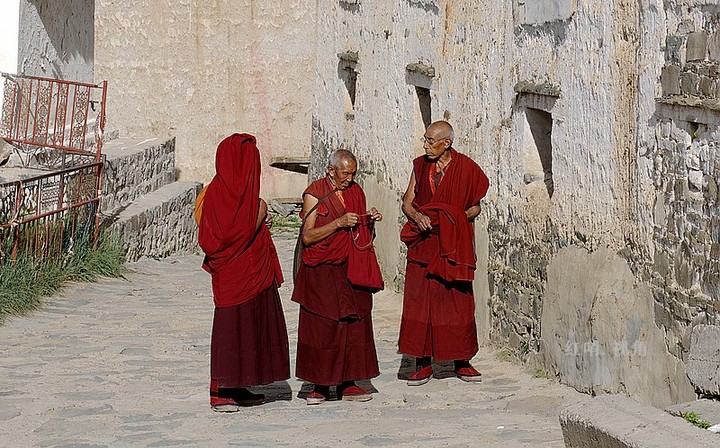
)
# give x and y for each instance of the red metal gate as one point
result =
(54, 125)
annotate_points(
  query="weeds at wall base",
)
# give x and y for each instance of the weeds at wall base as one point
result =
(26, 280)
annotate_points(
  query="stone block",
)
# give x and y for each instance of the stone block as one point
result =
(673, 45)
(697, 46)
(159, 224)
(707, 410)
(706, 86)
(670, 80)
(134, 167)
(714, 46)
(703, 366)
(689, 83)
(618, 421)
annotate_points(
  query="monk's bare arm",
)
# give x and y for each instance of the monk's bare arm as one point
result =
(422, 221)
(262, 214)
(311, 234)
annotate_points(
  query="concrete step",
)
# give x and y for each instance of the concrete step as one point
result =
(159, 223)
(618, 422)
(134, 167)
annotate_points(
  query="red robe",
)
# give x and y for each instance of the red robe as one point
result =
(335, 335)
(249, 344)
(242, 261)
(438, 306)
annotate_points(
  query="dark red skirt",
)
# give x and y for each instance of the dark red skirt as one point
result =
(335, 331)
(249, 344)
(438, 318)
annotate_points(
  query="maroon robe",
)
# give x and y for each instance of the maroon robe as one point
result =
(335, 333)
(438, 316)
(249, 344)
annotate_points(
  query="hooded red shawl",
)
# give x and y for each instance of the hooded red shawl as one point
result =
(242, 261)
(363, 268)
(449, 249)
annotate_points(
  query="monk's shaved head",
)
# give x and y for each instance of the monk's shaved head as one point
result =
(441, 129)
(339, 156)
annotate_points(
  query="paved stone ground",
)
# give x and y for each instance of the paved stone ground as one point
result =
(125, 362)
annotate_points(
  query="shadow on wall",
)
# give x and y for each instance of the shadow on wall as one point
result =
(69, 26)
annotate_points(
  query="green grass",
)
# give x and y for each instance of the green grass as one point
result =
(692, 417)
(285, 224)
(26, 280)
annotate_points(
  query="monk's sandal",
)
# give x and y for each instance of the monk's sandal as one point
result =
(420, 376)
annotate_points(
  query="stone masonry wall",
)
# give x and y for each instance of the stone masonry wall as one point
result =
(578, 271)
(134, 168)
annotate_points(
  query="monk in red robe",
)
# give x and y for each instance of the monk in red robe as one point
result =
(441, 202)
(249, 345)
(334, 285)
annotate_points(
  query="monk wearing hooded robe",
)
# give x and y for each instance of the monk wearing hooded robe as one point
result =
(441, 202)
(249, 345)
(334, 285)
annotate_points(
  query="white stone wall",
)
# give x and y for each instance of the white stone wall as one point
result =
(56, 39)
(9, 31)
(201, 71)
(595, 67)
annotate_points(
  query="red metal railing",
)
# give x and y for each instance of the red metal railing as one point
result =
(46, 214)
(58, 125)
(44, 113)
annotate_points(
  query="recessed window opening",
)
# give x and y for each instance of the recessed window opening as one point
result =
(693, 130)
(425, 102)
(540, 123)
(349, 77)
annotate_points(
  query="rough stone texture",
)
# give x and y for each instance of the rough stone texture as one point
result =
(618, 422)
(535, 12)
(670, 80)
(707, 410)
(160, 223)
(619, 159)
(142, 203)
(714, 46)
(697, 46)
(703, 365)
(201, 71)
(598, 332)
(57, 39)
(134, 167)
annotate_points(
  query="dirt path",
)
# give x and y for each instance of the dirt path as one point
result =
(124, 362)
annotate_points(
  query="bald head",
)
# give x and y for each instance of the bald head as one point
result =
(339, 156)
(441, 129)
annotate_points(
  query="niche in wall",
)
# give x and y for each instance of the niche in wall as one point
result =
(540, 123)
(419, 77)
(348, 74)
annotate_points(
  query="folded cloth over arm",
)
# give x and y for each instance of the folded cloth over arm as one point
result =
(455, 260)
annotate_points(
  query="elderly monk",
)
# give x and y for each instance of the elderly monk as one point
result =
(334, 285)
(249, 343)
(441, 202)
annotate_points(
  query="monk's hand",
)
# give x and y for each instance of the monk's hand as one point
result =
(348, 220)
(374, 214)
(269, 220)
(473, 211)
(423, 221)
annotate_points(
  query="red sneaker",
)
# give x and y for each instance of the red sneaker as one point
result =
(421, 376)
(224, 404)
(469, 374)
(315, 398)
(355, 393)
